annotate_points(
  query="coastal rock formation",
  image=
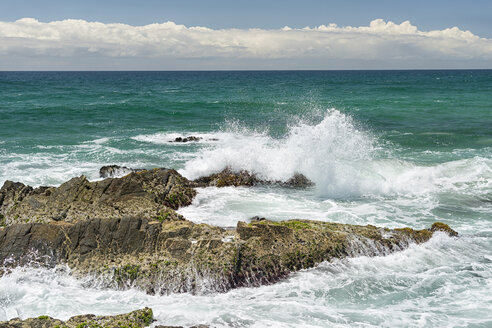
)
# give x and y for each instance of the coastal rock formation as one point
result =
(136, 319)
(180, 256)
(125, 232)
(146, 194)
(229, 177)
(115, 171)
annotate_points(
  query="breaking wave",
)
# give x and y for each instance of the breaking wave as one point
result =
(342, 159)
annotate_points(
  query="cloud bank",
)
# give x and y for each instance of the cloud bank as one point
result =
(77, 42)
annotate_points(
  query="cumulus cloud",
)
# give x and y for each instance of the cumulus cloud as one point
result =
(379, 41)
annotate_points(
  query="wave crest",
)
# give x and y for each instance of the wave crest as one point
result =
(341, 158)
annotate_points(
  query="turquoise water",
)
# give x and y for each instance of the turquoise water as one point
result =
(391, 148)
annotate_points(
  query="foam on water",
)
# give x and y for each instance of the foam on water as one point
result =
(55, 164)
(226, 206)
(168, 138)
(434, 284)
(343, 160)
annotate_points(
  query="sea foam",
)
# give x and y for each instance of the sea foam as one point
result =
(344, 161)
(443, 276)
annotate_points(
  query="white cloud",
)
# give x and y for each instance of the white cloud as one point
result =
(380, 41)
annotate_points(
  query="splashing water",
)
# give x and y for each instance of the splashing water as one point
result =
(341, 159)
(427, 285)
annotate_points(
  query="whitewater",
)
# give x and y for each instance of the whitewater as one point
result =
(370, 165)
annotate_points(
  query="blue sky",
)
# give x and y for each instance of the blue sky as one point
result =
(384, 34)
(473, 15)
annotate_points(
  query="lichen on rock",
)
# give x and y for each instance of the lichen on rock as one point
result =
(143, 194)
(181, 256)
(136, 319)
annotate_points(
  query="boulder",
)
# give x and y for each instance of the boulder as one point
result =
(147, 194)
(298, 180)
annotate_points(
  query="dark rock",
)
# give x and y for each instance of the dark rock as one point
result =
(187, 139)
(151, 194)
(115, 171)
(256, 218)
(298, 180)
(229, 177)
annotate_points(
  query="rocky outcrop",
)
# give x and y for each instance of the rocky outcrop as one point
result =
(146, 194)
(125, 232)
(115, 171)
(180, 256)
(229, 177)
(187, 139)
(135, 319)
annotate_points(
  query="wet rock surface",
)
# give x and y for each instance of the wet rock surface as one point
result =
(181, 256)
(145, 194)
(136, 319)
(229, 177)
(187, 139)
(125, 233)
(115, 171)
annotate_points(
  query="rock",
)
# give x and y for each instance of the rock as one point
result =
(115, 171)
(187, 139)
(151, 194)
(298, 180)
(229, 177)
(439, 226)
(12, 193)
(135, 319)
(180, 256)
(257, 218)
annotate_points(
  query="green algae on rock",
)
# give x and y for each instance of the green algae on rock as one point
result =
(181, 256)
(143, 194)
(136, 319)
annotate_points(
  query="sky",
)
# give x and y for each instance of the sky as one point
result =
(190, 34)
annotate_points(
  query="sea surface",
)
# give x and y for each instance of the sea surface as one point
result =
(388, 148)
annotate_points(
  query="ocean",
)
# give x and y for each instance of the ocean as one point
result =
(387, 148)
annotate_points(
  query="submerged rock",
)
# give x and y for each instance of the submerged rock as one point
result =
(180, 256)
(187, 139)
(114, 171)
(229, 177)
(136, 319)
(146, 194)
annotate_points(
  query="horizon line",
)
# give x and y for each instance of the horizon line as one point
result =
(258, 70)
